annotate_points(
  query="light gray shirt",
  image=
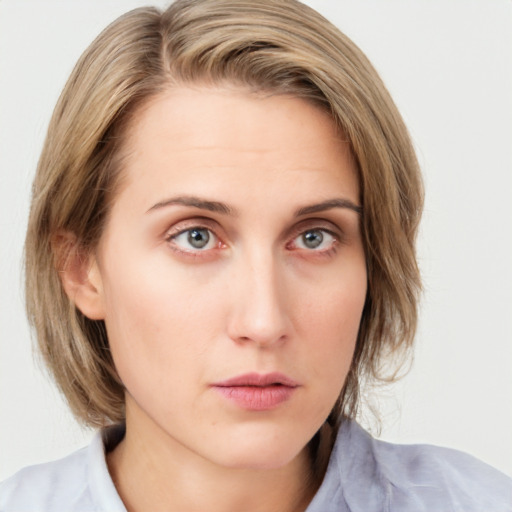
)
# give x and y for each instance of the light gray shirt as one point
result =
(364, 475)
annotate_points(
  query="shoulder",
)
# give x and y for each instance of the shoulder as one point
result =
(49, 486)
(77, 483)
(436, 476)
(367, 474)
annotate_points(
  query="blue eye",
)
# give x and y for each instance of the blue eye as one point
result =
(195, 239)
(314, 239)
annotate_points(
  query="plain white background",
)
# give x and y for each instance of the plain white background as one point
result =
(448, 65)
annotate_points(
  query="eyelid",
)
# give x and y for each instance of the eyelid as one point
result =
(315, 254)
(181, 227)
(320, 224)
(212, 241)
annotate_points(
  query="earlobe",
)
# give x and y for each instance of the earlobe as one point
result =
(79, 275)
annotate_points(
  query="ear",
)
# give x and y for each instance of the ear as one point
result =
(79, 274)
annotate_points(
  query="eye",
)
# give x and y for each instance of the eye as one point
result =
(195, 239)
(315, 240)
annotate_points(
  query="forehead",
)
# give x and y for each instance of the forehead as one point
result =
(204, 113)
(211, 135)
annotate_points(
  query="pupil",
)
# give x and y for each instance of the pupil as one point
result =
(312, 239)
(198, 238)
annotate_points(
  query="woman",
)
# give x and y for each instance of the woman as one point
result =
(220, 251)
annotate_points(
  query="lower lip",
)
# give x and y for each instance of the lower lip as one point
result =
(256, 398)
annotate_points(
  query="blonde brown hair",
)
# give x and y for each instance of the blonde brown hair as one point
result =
(276, 46)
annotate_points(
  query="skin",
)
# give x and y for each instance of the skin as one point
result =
(255, 298)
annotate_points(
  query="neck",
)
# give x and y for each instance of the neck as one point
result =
(152, 471)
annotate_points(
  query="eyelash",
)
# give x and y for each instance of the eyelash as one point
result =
(313, 252)
(194, 253)
(219, 245)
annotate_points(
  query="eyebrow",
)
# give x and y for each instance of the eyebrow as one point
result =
(196, 202)
(218, 207)
(329, 204)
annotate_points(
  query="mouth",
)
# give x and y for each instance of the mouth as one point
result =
(257, 392)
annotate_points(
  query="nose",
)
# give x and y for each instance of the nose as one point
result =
(258, 302)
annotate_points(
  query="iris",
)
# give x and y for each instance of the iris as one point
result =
(312, 239)
(198, 238)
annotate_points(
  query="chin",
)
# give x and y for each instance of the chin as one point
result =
(257, 460)
(259, 451)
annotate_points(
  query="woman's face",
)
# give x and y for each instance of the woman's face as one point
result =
(231, 274)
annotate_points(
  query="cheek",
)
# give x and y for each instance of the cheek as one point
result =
(156, 323)
(333, 305)
(331, 320)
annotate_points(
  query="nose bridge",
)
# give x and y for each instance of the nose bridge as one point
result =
(258, 301)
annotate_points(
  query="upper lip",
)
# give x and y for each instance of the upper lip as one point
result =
(258, 379)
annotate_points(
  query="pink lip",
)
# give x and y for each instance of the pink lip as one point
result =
(257, 392)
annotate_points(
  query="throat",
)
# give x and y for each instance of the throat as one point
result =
(145, 482)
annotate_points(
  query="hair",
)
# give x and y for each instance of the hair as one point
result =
(270, 46)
